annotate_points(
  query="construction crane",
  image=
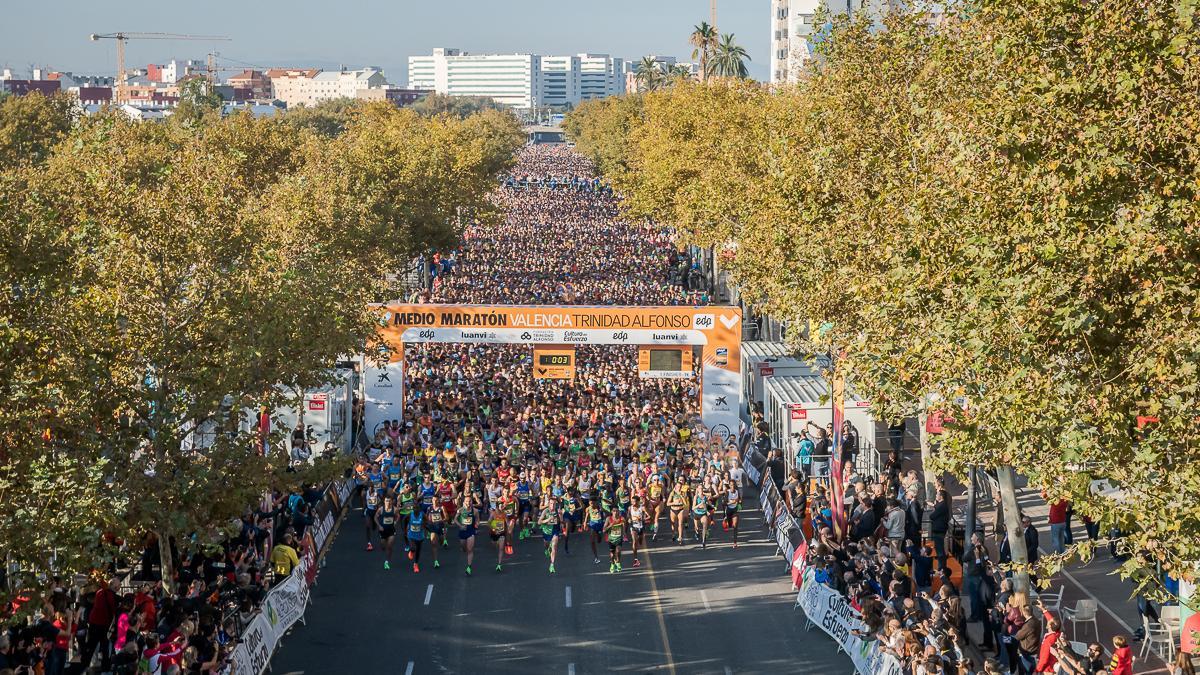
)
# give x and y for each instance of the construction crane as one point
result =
(712, 10)
(123, 37)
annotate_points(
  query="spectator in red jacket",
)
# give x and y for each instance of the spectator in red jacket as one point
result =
(1122, 658)
(1046, 659)
(99, 623)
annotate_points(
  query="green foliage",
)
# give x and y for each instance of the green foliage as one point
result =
(198, 102)
(30, 126)
(456, 106)
(327, 118)
(704, 41)
(978, 220)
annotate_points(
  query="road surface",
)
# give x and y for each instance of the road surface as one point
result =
(721, 611)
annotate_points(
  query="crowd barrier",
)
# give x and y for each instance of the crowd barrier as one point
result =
(286, 602)
(823, 606)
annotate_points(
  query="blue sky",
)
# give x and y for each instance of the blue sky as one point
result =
(322, 33)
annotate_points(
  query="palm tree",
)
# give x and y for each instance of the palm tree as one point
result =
(678, 73)
(649, 74)
(704, 39)
(729, 59)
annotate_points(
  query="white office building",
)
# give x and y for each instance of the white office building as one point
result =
(600, 75)
(560, 80)
(522, 81)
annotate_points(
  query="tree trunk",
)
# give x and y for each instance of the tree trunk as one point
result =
(926, 454)
(1012, 522)
(166, 562)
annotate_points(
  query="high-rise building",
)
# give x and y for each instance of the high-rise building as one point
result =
(560, 80)
(600, 75)
(523, 81)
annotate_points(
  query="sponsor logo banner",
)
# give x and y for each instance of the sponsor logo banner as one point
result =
(833, 613)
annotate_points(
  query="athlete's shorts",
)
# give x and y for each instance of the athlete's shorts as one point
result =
(496, 535)
(523, 507)
(574, 516)
(699, 514)
(614, 545)
(439, 530)
(596, 527)
(550, 537)
(369, 514)
(465, 533)
(731, 511)
(387, 531)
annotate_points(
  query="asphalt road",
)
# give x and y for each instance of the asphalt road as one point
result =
(720, 611)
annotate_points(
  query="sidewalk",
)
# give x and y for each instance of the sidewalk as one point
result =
(1096, 580)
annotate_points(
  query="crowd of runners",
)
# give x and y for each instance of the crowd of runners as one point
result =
(605, 461)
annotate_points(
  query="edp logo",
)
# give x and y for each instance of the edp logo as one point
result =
(704, 321)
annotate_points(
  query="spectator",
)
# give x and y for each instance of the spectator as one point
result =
(1029, 641)
(99, 623)
(1122, 658)
(939, 525)
(284, 557)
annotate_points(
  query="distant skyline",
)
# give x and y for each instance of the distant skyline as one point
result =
(356, 33)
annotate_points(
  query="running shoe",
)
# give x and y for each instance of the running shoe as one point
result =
(416, 569)
(410, 555)
(370, 547)
(436, 564)
(612, 568)
(387, 565)
(407, 549)
(735, 545)
(508, 549)
(499, 568)
(547, 552)
(445, 544)
(468, 570)
(725, 526)
(596, 561)
(619, 567)
(551, 568)
(637, 563)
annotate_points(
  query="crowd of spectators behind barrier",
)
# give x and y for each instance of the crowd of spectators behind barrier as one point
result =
(124, 620)
(900, 573)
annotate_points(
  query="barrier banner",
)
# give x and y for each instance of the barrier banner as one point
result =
(799, 563)
(344, 489)
(322, 528)
(253, 651)
(833, 613)
(310, 558)
(285, 602)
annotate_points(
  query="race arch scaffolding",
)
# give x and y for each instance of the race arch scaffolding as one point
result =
(716, 330)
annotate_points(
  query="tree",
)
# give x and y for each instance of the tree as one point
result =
(704, 41)
(455, 106)
(198, 101)
(729, 59)
(327, 118)
(30, 126)
(190, 273)
(648, 74)
(601, 130)
(974, 220)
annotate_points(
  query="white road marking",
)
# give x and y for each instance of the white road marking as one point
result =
(428, 593)
(704, 597)
(1099, 604)
(408, 670)
(568, 597)
(570, 669)
(728, 670)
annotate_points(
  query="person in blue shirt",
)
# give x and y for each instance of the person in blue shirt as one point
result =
(804, 451)
(416, 537)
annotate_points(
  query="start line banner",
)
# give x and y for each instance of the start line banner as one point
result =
(832, 612)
